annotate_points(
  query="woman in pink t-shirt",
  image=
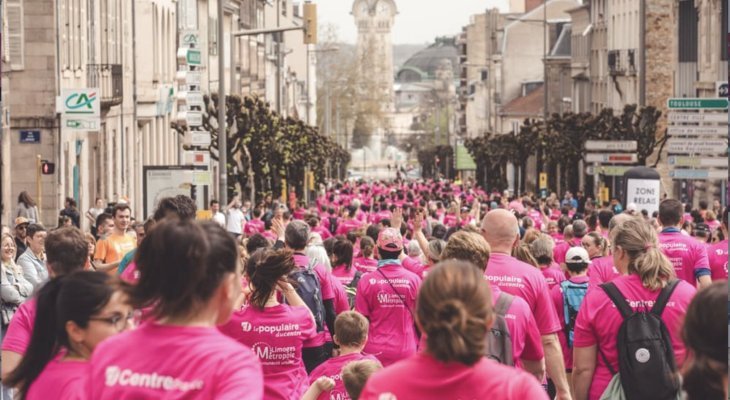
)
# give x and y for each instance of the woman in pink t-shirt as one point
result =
(636, 254)
(276, 331)
(190, 281)
(342, 261)
(542, 250)
(366, 262)
(454, 310)
(74, 313)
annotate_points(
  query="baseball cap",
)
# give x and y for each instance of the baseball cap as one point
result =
(21, 221)
(631, 207)
(390, 239)
(577, 255)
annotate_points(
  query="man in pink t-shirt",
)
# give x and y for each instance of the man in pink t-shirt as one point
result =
(687, 255)
(255, 225)
(717, 253)
(501, 230)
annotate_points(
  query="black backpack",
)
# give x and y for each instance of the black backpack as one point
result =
(647, 368)
(309, 289)
(499, 340)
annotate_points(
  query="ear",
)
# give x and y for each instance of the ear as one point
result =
(75, 333)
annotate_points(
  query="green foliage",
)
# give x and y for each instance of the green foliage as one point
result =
(435, 161)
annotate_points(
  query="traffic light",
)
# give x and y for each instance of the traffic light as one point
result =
(47, 167)
(310, 23)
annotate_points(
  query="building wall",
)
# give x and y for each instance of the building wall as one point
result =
(580, 58)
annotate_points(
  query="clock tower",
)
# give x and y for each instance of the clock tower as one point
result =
(374, 20)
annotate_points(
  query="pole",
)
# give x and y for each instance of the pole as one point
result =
(38, 185)
(222, 132)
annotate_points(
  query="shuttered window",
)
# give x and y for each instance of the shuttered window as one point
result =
(16, 37)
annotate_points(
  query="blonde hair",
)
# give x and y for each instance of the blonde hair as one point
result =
(531, 235)
(646, 260)
(542, 249)
(12, 240)
(467, 246)
(522, 253)
(355, 375)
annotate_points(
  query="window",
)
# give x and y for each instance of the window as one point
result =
(688, 31)
(212, 36)
(283, 7)
(724, 31)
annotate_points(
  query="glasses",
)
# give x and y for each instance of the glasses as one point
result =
(120, 322)
(8, 246)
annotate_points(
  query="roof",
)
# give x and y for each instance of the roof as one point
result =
(428, 60)
(562, 45)
(530, 105)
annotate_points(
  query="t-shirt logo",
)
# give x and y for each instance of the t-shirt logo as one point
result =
(387, 396)
(373, 281)
(246, 326)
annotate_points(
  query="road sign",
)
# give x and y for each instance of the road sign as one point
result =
(611, 145)
(679, 161)
(80, 102)
(697, 103)
(614, 158)
(699, 174)
(697, 146)
(190, 118)
(196, 157)
(197, 138)
(189, 78)
(543, 180)
(188, 56)
(608, 170)
(644, 193)
(721, 89)
(80, 124)
(189, 38)
(30, 136)
(697, 130)
(675, 116)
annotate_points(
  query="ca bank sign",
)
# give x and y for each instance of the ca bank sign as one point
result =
(80, 109)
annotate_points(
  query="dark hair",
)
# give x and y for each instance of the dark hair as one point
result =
(342, 249)
(120, 207)
(264, 269)
(103, 217)
(257, 212)
(66, 250)
(372, 232)
(71, 202)
(604, 217)
(388, 255)
(32, 229)
(576, 267)
(182, 207)
(214, 201)
(255, 242)
(670, 212)
(454, 308)
(725, 216)
(181, 264)
(329, 245)
(704, 205)
(705, 334)
(76, 297)
(367, 245)
(439, 231)
(25, 198)
(296, 235)
(351, 329)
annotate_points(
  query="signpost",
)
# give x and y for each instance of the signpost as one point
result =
(615, 158)
(697, 104)
(697, 146)
(607, 170)
(683, 161)
(697, 130)
(611, 145)
(699, 174)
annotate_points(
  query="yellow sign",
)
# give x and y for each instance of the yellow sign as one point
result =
(543, 180)
(204, 215)
(605, 194)
(283, 190)
(310, 177)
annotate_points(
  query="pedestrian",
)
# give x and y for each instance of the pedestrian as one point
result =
(74, 313)
(71, 211)
(111, 249)
(216, 214)
(542, 250)
(33, 260)
(365, 262)
(105, 226)
(602, 269)
(27, 208)
(276, 331)
(91, 241)
(188, 294)
(356, 374)
(234, 217)
(66, 252)
(140, 229)
(704, 333)
(342, 261)
(351, 335)
(595, 245)
(500, 229)
(454, 309)
(718, 253)
(94, 213)
(687, 255)
(15, 288)
(21, 234)
(648, 273)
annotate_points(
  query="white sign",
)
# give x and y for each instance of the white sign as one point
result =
(697, 130)
(645, 193)
(680, 161)
(612, 158)
(697, 146)
(197, 138)
(188, 78)
(81, 103)
(190, 99)
(676, 116)
(190, 38)
(80, 124)
(611, 145)
(699, 174)
(196, 157)
(190, 118)
(721, 89)
(169, 181)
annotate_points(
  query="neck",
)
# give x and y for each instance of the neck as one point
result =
(345, 350)
(119, 231)
(37, 252)
(206, 316)
(502, 250)
(272, 301)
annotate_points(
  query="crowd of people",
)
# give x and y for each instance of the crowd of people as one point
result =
(375, 290)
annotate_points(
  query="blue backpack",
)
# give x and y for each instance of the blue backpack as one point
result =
(573, 295)
(309, 289)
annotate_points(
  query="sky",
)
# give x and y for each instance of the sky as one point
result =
(417, 21)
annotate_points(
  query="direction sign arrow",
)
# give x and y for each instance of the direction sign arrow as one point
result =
(697, 103)
(679, 161)
(699, 174)
(616, 158)
(697, 130)
(611, 145)
(675, 116)
(697, 146)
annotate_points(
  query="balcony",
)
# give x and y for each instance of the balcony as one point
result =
(109, 78)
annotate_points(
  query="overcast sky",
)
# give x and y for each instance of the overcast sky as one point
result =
(418, 21)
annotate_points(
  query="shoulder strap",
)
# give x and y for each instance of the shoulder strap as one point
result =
(617, 298)
(312, 264)
(503, 303)
(397, 294)
(663, 298)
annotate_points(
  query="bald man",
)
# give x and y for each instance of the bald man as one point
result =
(501, 229)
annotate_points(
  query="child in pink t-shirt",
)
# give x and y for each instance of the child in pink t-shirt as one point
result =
(102, 314)
(351, 336)
(275, 331)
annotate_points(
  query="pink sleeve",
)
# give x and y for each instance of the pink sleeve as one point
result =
(545, 315)
(701, 260)
(240, 377)
(530, 389)
(533, 342)
(557, 295)
(18, 334)
(325, 281)
(361, 303)
(307, 325)
(583, 333)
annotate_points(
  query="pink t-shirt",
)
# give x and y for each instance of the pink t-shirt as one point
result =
(520, 279)
(602, 270)
(60, 380)
(328, 293)
(347, 225)
(276, 335)
(536, 218)
(557, 238)
(332, 369)
(173, 362)
(414, 265)
(343, 275)
(341, 300)
(687, 255)
(130, 274)
(450, 220)
(562, 249)
(253, 227)
(557, 295)
(392, 334)
(324, 233)
(599, 320)
(717, 255)
(269, 235)
(553, 275)
(20, 329)
(364, 265)
(526, 341)
(423, 377)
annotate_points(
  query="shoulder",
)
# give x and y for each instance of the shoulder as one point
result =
(684, 292)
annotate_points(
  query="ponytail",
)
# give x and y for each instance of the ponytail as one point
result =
(264, 270)
(646, 260)
(367, 245)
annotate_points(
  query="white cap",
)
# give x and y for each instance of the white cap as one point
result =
(577, 255)
(631, 207)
